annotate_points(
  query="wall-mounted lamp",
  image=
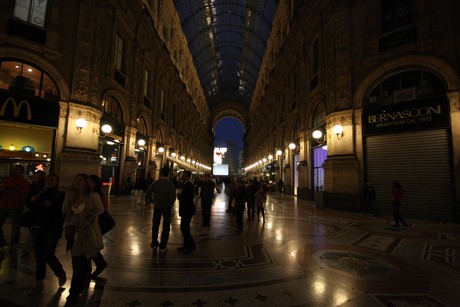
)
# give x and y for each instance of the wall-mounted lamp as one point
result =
(182, 157)
(141, 142)
(264, 160)
(173, 154)
(161, 149)
(270, 157)
(106, 128)
(80, 123)
(292, 146)
(279, 152)
(321, 138)
(338, 130)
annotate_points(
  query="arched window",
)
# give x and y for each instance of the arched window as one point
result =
(112, 109)
(319, 117)
(404, 85)
(26, 79)
(142, 126)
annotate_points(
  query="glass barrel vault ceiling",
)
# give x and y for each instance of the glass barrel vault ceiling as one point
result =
(227, 40)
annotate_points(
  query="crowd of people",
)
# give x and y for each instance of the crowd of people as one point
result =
(47, 212)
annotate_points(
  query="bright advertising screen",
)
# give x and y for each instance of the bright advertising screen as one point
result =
(219, 154)
(220, 169)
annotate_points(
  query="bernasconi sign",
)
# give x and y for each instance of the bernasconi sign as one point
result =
(423, 114)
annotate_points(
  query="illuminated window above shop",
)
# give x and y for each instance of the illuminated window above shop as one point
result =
(405, 85)
(23, 78)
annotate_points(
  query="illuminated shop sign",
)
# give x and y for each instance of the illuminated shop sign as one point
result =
(415, 115)
(28, 110)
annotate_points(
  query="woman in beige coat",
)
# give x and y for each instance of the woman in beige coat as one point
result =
(81, 208)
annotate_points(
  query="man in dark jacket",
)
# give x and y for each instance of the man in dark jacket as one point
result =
(207, 188)
(368, 198)
(164, 196)
(186, 212)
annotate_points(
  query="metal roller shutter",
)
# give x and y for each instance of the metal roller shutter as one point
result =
(422, 162)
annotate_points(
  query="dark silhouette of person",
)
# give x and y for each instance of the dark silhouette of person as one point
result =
(164, 196)
(207, 188)
(368, 192)
(186, 212)
(397, 192)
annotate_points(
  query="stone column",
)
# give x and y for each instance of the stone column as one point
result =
(128, 163)
(303, 189)
(288, 175)
(152, 166)
(77, 148)
(454, 98)
(341, 168)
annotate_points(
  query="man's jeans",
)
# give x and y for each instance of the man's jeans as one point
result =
(157, 214)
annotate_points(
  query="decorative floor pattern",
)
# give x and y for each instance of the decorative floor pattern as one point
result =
(300, 256)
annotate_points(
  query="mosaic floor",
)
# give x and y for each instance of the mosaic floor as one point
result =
(301, 256)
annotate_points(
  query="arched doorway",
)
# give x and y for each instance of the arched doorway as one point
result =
(228, 144)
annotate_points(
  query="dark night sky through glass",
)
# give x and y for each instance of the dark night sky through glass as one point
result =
(229, 129)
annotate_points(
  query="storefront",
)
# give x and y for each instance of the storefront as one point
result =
(410, 143)
(29, 116)
(110, 148)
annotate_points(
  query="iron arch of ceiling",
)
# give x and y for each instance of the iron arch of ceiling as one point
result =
(230, 108)
(224, 67)
(229, 5)
(247, 76)
(216, 100)
(230, 43)
(206, 79)
(227, 93)
(227, 40)
(227, 26)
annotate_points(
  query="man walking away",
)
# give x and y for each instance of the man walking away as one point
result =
(186, 212)
(164, 196)
(207, 188)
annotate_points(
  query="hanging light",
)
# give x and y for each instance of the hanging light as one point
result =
(28, 148)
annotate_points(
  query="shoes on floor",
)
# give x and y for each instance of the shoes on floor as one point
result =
(162, 250)
(62, 280)
(99, 269)
(72, 299)
(154, 249)
(38, 287)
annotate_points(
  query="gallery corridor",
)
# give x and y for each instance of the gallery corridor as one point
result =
(301, 256)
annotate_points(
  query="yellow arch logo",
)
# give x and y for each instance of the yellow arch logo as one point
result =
(16, 107)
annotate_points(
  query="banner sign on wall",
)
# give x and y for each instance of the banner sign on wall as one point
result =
(424, 114)
(28, 110)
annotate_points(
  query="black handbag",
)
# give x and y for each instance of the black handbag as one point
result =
(26, 219)
(106, 222)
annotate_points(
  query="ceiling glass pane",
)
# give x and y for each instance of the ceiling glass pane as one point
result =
(227, 40)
